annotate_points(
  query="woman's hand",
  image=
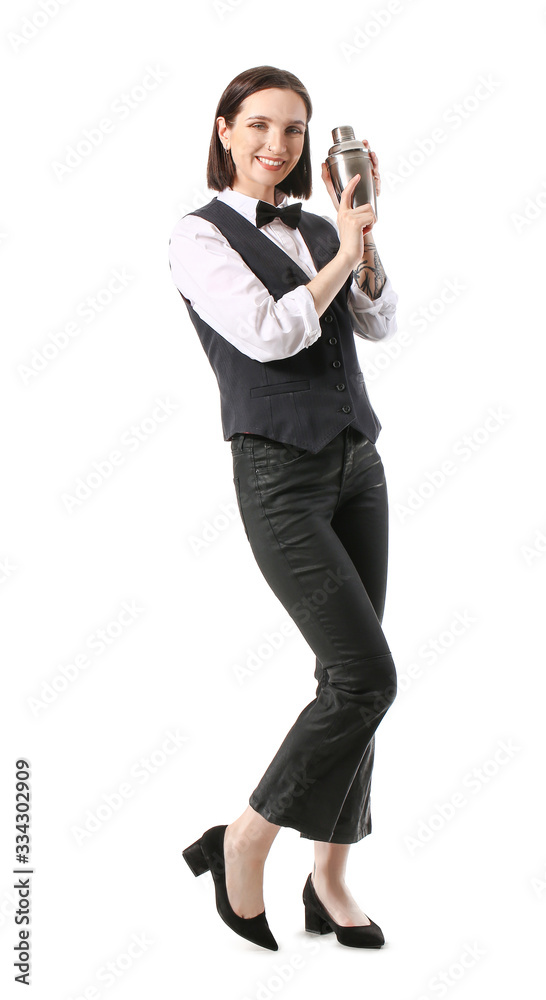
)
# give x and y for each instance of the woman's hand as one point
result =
(375, 174)
(353, 224)
(366, 216)
(375, 168)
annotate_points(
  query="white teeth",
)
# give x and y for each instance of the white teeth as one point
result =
(273, 163)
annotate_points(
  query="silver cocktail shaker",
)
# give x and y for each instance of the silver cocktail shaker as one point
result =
(347, 157)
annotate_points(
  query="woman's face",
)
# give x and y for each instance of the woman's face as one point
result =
(253, 140)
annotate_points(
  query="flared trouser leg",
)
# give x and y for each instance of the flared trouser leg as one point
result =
(318, 528)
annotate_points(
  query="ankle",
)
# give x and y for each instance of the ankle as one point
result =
(242, 841)
(328, 879)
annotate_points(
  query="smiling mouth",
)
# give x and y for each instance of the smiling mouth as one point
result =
(269, 162)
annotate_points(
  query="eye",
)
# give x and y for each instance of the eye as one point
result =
(292, 129)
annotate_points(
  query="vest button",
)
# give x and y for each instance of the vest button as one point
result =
(328, 318)
(332, 340)
(346, 409)
(340, 385)
(336, 364)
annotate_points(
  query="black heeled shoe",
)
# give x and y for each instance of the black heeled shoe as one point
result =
(207, 854)
(319, 921)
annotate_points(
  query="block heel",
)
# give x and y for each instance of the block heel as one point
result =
(319, 921)
(314, 923)
(207, 854)
(195, 859)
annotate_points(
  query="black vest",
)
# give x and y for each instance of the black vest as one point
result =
(304, 400)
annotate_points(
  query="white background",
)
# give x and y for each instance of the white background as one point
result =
(468, 211)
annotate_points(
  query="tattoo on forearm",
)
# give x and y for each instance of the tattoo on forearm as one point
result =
(369, 273)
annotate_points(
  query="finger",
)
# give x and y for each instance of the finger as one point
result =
(364, 215)
(373, 156)
(326, 174)
(351, 184)
(354, 181)
(327, 178)
(349, 188)
(328, 183)
(364, 210)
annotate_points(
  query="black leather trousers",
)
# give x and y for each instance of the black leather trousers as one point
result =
(318, 528)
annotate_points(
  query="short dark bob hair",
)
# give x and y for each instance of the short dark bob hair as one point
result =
(220, 166)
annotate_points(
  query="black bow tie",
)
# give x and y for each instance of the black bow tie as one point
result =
(266, 212)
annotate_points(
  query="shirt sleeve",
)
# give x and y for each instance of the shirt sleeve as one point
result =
(228, 296)
(373, 319)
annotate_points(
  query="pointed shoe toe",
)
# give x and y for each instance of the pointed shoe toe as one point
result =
(319, 921)
(207, 854)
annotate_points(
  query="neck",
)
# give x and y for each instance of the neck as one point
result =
(262, 192)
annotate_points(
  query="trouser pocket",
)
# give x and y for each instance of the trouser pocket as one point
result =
(270, 455)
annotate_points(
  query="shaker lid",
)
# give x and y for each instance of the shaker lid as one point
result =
(343, 132)
(344, 138)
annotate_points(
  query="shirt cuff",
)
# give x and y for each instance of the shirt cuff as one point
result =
(374, 319)
(384, 304)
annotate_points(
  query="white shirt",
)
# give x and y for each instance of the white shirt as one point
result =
(228, 296)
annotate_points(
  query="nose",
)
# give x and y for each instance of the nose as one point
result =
(276, 144)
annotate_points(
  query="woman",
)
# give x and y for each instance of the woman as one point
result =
(276, 298)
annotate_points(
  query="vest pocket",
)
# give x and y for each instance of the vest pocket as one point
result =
(269, 390)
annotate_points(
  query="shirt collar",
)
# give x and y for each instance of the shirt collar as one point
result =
(246, 205)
